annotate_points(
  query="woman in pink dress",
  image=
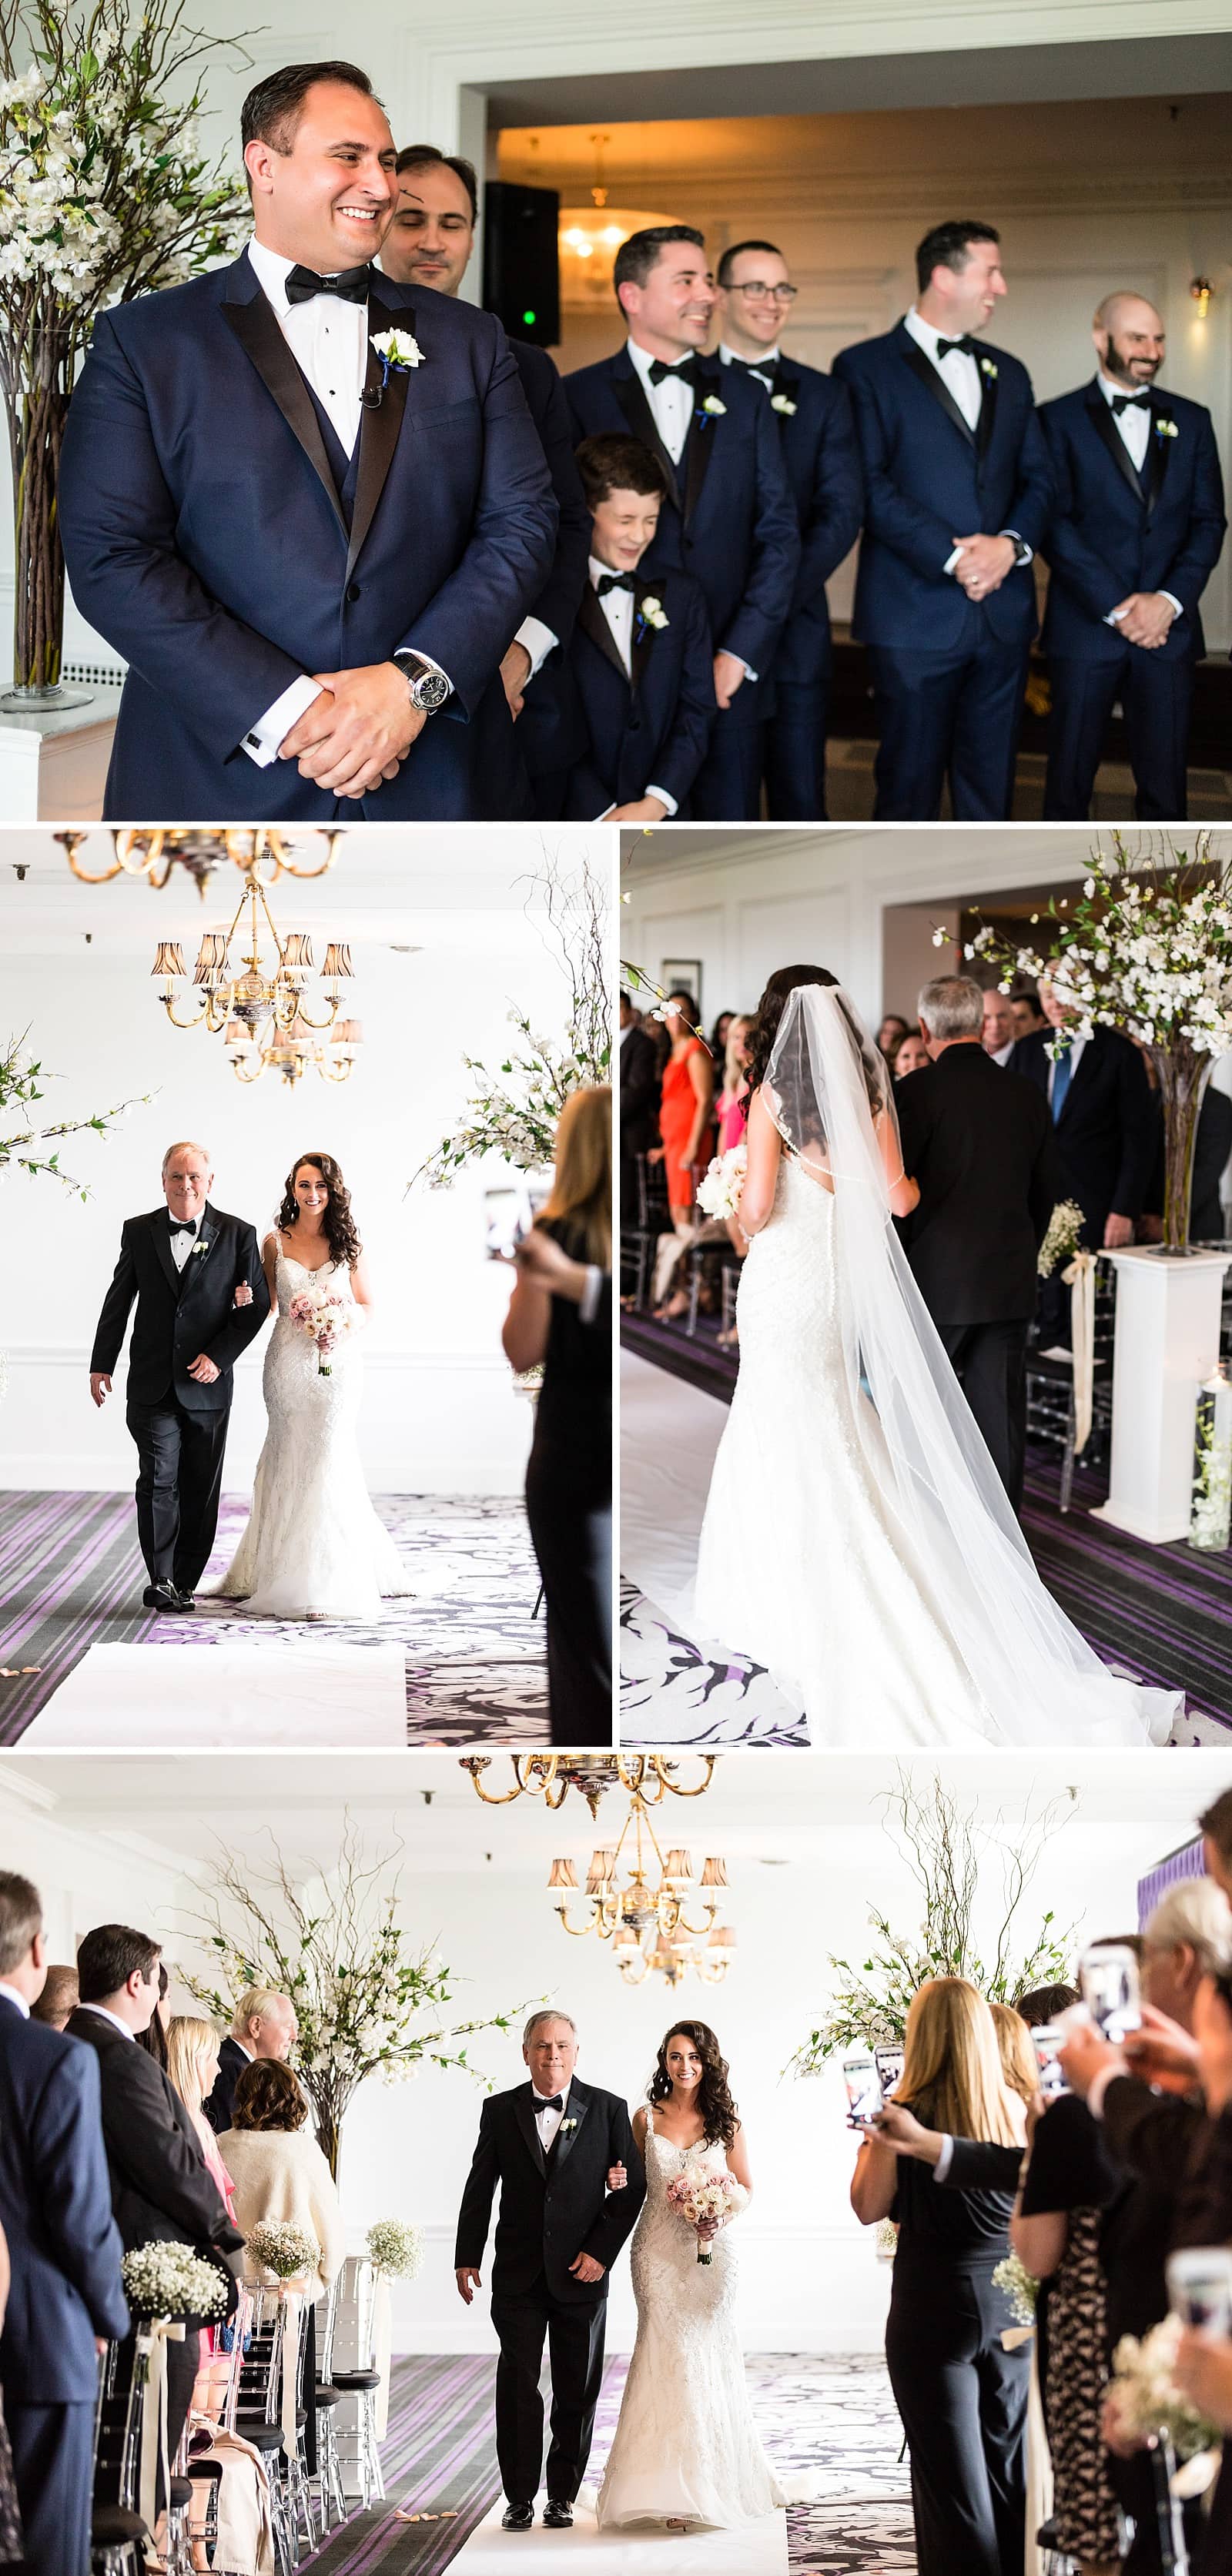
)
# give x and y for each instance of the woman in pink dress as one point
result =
(192, 2064)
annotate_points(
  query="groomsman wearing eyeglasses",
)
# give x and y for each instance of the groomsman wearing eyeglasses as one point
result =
(1136, 530)
(728, 516)
(956, 492)
(756, 297)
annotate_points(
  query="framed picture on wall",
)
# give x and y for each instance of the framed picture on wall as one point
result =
(683, 975)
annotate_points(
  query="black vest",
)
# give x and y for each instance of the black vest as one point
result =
(344, 468)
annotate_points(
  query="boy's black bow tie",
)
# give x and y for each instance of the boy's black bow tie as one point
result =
(614, 581)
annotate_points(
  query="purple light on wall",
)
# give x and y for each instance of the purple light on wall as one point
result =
(1185, 1863)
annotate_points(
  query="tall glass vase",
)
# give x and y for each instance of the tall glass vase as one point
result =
(37, 412)
(1183, 1077)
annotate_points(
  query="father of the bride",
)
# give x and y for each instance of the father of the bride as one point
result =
(200, 1291)
(309, 510)
(550, 2144)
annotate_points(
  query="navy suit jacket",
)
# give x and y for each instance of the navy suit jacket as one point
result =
(1106, 1131)
(729, 517)
(55, 2208)
(1113, 530)
(206, 539)
(823, 469)
(652, 727)
(928, 478)
(541, 737)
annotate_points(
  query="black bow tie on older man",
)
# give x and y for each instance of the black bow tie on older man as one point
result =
(351, 284)
(549, 2102)
(182, 1224)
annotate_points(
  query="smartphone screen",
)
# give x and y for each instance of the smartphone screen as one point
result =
(1108, 1978)
(863, 2089)
(1048, 2042)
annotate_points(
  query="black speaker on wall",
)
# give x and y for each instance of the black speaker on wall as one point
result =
(521, 261)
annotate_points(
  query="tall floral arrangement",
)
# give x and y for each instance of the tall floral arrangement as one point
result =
(1147, 949)
(513, 1107)
(950, 1852)
(20, 1087)
(105, 194)
(367, 2000)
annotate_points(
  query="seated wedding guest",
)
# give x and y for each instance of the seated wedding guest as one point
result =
(962, 2398)
(1025, 1010)
(1212, 1147)
(66, 2297)
(1055, 2231)
(277, 2169)
(1100, 1102)
(154, 2037)
(640, 663)
(639, 1102)
(999, 1032)
(910, 1055)
(686, 1096)
(1135, 530)
(729, 515)
(429, 243)
(823, 468)
(890, 1036)
(956, 492)
(264, 2026)
(979, 1144)
(58, 1999)
(560, 1314)
(159, 2184)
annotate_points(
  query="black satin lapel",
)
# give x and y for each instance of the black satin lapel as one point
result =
(987, 421)
(566, 2139)
(162, 1246)
(378, 437)
(935, 384)
(1106, 428)
(1157, 461)
(591, 617)
(701, 444)
(256, 328)
(526, 2123)
(207, 1233)
(631, 397)
(641, 648)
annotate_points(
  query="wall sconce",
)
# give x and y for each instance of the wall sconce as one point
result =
(1202, 290)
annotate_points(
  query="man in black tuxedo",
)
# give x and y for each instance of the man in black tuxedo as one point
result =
(66, 2297)
(160, 2189)
(756, 297)
(639, 1102)
(429, 243)
(309, 512)
(265, 2025)
(1136, 529)
(956, 491)
(197, 1278)
(550, 2144)
(1103, 1114)
(979, 1142)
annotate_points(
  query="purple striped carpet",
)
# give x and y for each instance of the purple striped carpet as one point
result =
(439, 2461)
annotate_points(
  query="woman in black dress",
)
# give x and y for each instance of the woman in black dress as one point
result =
(560, 1314)
(961, 2396)
(1055, 2231)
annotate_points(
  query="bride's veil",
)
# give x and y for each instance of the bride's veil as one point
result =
(830, 1096)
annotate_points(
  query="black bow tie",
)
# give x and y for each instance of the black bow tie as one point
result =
(1125, 402)
(615, 581)
(660, 373)
(350, 283)
(963, 346)
(182, 1224)
(554, 2102)
(756, 366)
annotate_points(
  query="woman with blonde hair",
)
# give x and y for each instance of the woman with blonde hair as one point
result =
(962, 2398)
(1016, 2052)
(192, 2065)
(560, 1317)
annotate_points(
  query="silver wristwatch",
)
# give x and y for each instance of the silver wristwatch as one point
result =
(429, 687)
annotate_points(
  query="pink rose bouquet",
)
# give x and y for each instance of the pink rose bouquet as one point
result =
(699, 2193)
(324, 1317)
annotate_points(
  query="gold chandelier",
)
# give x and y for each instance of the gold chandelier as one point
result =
(644, 1913)
(648, 1776)
(265, 854)
(260, 1010)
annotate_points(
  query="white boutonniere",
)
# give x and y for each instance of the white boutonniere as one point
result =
(201, 1245)
(988, 367)
(714, 409)
(397, 349)
(652, 611)
(783, 403)
(566, 2126)
(1166, 429)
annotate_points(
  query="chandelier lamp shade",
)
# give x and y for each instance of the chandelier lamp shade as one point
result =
(660, 1918)
(262, 1008)
(263, 853)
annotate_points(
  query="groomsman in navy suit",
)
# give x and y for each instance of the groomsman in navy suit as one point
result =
(66, 2297)
(956, 492)
(729, 517)
(1136, 529)
(429, 243)
(311, 550)
(823, 467)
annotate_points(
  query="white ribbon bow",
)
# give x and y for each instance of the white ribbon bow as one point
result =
(1080, 1280)
(154, 2335)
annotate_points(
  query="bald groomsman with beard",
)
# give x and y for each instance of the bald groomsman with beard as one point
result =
(1136, 529)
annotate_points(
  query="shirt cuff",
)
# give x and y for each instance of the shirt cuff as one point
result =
(1173, 601)
(262, 739)
(588, 1302)
(1098, 2088)
(952, 561)
(537, 640)
(944, 2160)
(668, 803)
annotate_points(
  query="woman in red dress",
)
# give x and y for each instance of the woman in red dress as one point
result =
(685, 1124)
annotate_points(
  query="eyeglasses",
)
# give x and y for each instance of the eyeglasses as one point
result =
(759, 293)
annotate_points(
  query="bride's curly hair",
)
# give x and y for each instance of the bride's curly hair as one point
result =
(766, 1028)
(340, 1230)
(714, 2098)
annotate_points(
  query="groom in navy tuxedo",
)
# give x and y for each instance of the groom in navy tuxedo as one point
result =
(311, 551)
(1136, 530)
(956, 492)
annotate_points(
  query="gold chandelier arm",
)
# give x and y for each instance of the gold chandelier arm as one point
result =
(538, 1775)
(333, 1070)
(576, 1931)
(169, 1007)
(333, 841)
(71, 842)
(695, 1931)
(308, 1020)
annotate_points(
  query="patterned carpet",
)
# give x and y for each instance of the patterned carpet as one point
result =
(71, 1577)
(831, 2416)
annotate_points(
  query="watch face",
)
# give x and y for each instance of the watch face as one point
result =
(430, 690)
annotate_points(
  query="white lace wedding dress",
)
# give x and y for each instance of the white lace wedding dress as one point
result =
(686, 2446)
(313, 1544)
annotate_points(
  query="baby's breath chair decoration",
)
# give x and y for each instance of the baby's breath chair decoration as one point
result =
(105, 194)
(366, 1999)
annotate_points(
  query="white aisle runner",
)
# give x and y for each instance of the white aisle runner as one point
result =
(303, 1694)
(669, 1433)
(757, 2549)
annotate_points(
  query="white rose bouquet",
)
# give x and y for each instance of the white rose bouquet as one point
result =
(325, 1317)
(699, 2193)
(718, 1191)
(164, 2280)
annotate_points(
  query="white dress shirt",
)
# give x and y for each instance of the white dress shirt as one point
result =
(1001, 1055)
(1133, 424)
(960, 374)
(617, 607)
(11, 1993)
(769, 358)
(547, 2121)
(181, 1243)
(113, 2018)
(672, 402)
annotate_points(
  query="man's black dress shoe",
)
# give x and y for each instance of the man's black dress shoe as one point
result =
(186, 1599)
(558, 2515)
(162, 1596)
(518, 2517)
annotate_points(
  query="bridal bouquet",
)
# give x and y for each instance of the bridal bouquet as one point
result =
(698, 2192)
(167, 2280)
(718, 1193)
(283, 2247)
(324, 1316)
(1144, 2404)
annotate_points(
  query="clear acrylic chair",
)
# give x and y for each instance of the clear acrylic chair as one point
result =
(357, 2297)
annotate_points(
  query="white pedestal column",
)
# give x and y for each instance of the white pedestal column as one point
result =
(1167, 1342)
(53, 768)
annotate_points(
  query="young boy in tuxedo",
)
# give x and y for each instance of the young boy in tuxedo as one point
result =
(641, 658)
